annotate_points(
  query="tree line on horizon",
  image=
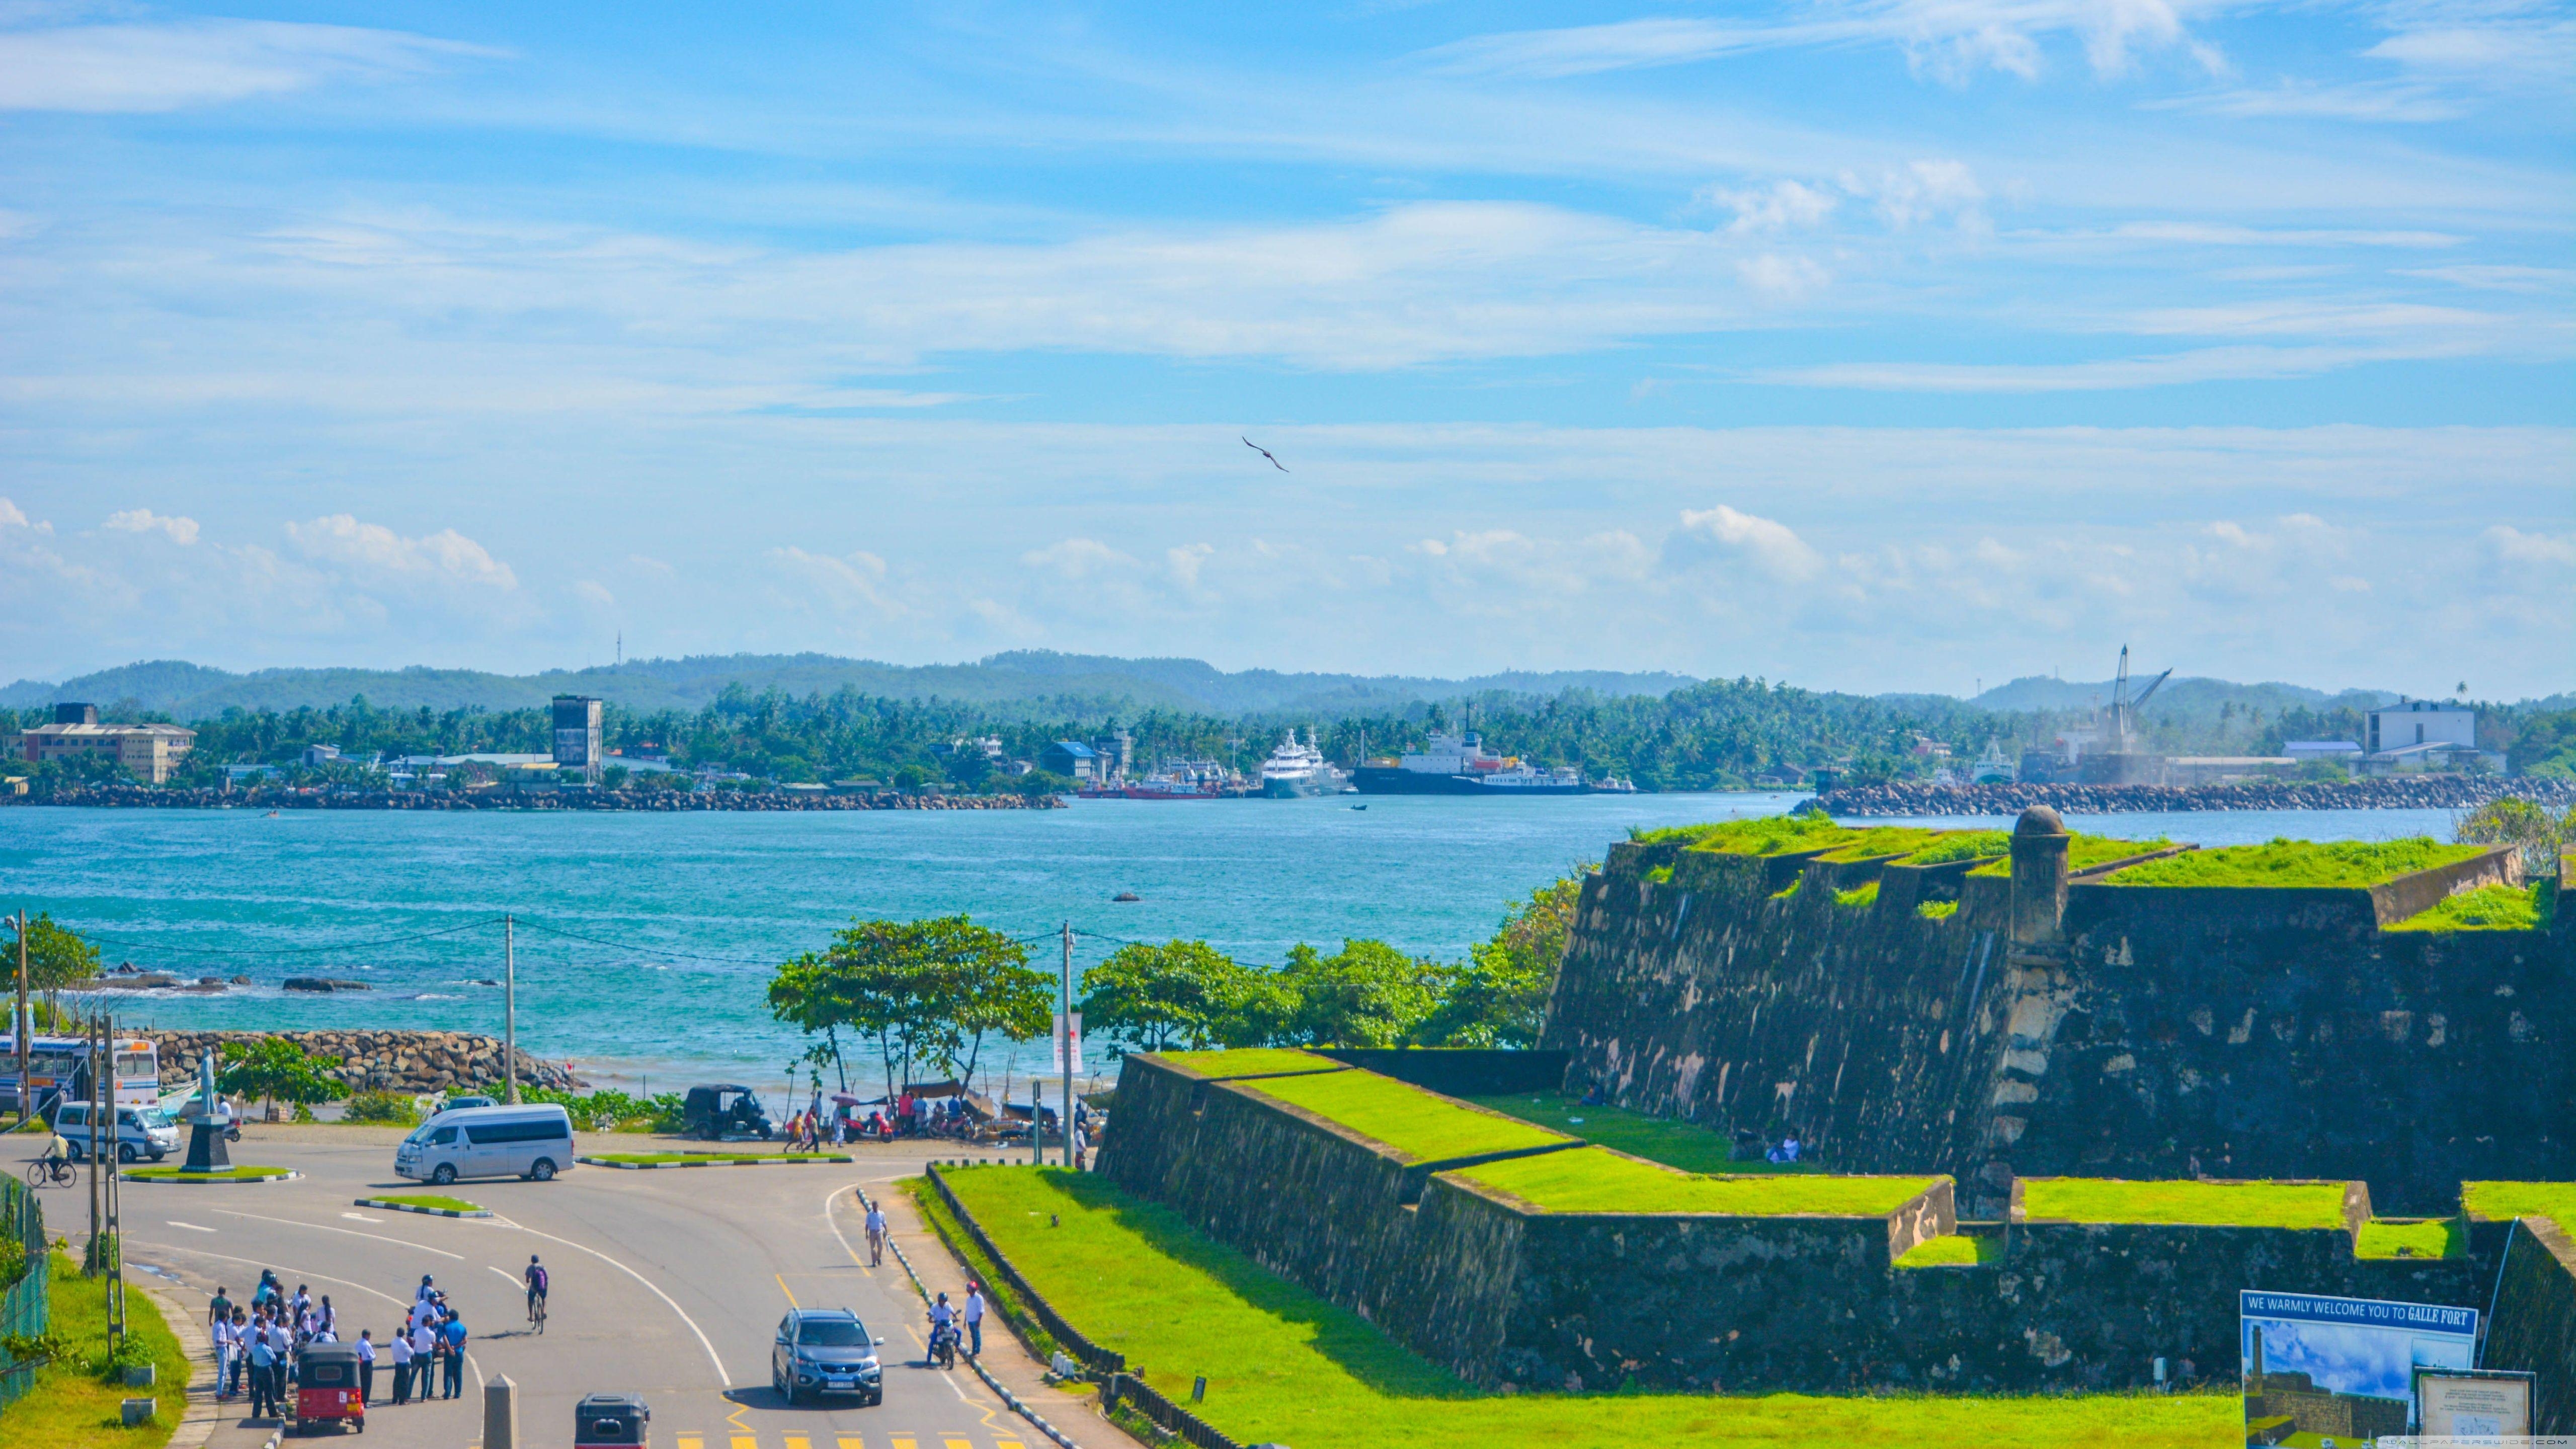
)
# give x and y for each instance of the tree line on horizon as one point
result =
(1715, 735)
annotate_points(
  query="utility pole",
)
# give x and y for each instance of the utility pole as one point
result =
(26, 1024)
(115, 1217)
(1064, 1044)
(509, 1011)
(95, 1204)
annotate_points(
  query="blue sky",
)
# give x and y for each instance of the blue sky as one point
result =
(1879, 345)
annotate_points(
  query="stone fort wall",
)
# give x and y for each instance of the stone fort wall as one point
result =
(2054, 1026)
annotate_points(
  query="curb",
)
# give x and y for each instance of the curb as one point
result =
(716, 1162)
(203, 1181)
(404, 1207)
(198, 1412)
(1054, 1434)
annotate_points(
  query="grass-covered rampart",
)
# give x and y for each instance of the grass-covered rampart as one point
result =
(2488, 908)
(1657, 1139)
(2083, 852)
(2281, 862)
(1251, 1061)
(1591, 1180)
(2206, 1204)
(1285, 1366)
(2555, 1201)
(1423, 1125)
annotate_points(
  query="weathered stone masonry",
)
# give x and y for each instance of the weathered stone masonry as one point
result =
(385, 1061)
(2056, 1027)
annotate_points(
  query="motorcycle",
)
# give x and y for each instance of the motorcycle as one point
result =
(943, 1345)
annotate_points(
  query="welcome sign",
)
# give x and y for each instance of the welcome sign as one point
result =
(2342, 1368)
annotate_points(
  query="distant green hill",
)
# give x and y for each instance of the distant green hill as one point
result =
(1092, 682)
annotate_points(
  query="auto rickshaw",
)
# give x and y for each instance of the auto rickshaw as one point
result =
(326, 1388)
(715, 1111)
(611, 1421)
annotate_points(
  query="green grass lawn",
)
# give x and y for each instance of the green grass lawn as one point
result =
(71, 1407)
(1590, 1180)
(1659, 1139)
(2488, 908)
(2553, 1200)
(1884, 840)
(2346, 864)
(165, 1174)
(433, 1202)
(1951, 1250)
(1859, 898)
(2083, 852)
(1761, 835)
(1285, 1366)
(2215, 1204)
(1251, 1061)
(1420, 1124)
(759, 1156)
(2428, 1238)
(1961, 845)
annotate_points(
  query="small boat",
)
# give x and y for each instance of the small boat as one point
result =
(1359, 807)
(1126, 896)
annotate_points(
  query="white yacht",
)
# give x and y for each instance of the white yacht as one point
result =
(1294, 771)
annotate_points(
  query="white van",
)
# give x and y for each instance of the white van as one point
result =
(139, 1132)
(532, 1141)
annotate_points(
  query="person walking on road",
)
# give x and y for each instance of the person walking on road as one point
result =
(241, 1350)
(222, 1334)
(402, 1368)
(975, 1318)
(221, 1309)
(454, 1334)
(876, 1236)
(366, 1366)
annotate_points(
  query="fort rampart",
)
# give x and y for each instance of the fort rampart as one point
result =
(2051, 1025)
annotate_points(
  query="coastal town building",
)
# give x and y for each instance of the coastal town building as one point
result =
(148, 751)
(577, 742)
(2423, 722)
(1073, 759)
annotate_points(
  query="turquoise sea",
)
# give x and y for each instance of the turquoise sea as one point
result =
(645, 941)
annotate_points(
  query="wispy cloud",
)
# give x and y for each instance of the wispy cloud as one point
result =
(168, 66)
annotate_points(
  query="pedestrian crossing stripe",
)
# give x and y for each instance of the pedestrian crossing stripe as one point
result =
(745, 1441)
(692, 1441)
(951, 1441)
(799, 1441)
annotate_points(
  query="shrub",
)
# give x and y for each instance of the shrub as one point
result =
(389, 1108)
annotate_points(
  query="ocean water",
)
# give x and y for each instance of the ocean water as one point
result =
(644, 942)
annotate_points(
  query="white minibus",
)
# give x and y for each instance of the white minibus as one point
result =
(532, 1141)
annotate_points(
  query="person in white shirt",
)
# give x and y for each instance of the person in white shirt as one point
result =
(876, 1236)
(281, 1346)
(263, 1372)
(366, 1366)
(402, 1367)
(975, 1318)
(424, 1357)
(224, 1343)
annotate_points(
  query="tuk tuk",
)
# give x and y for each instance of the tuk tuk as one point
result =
(326, 1387)
(611, 1421)
(716, 1110)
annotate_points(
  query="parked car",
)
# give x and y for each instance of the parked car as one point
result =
(716, 1110)
(139, 1132)
(825, 1351)
(532, 1141)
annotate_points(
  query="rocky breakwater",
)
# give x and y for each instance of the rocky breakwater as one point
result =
(502, 797)
(375, 1061)
(2402, 792)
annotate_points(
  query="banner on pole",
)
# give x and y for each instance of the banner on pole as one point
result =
(1067, 1044)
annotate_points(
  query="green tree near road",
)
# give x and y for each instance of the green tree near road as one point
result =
(1368, 994)
(2539, 832)
(921, 991)
(1182, 994)
(278, 1070)
(1500, 999)
(56, 958)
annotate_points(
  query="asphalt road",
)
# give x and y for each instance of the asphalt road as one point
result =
(667, 1284)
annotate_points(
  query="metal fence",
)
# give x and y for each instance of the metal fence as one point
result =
(23, 1309)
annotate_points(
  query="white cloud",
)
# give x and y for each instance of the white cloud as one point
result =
(1078, 559)
(11, 515)
(144, 520)
(1723, 532)
(163, 67)
(2511, 545)
(1925, 191)
(1782, 205)
(442, 557)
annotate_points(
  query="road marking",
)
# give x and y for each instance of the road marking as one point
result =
(906, 1441)
(1008, 1444)
(745, 1441)
(505, 1276)
(692, 1441)
(790, 1292)
(191, 1227)
(361, 1218)
(836, 1232)
(799, 1441)
(352, 1232)
(851, 1441)
(953, 1441)
(721, 1376)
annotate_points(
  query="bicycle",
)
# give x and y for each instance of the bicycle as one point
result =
(537, 1312)
(50, 1171)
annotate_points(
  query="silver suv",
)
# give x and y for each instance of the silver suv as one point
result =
(825, 1351)
(139, 1132)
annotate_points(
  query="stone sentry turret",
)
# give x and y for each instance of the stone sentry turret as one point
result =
(2039, 847)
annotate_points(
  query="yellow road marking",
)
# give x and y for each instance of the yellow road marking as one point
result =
(905, 1441)
(790, 1292)
(1008, 1444)
(954, 1442)
(745, 1441)
(799, 1441)
(692, 1441)
(851, 1441)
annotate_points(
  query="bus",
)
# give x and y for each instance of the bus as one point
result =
(58, 1067)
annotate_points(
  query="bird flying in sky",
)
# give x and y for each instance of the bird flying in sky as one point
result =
(1265, 452)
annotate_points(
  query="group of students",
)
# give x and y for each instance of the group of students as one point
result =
(255, 1343)
(433, 1335)
(813, 1129)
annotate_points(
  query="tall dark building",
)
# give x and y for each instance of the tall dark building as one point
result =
(577, 745)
